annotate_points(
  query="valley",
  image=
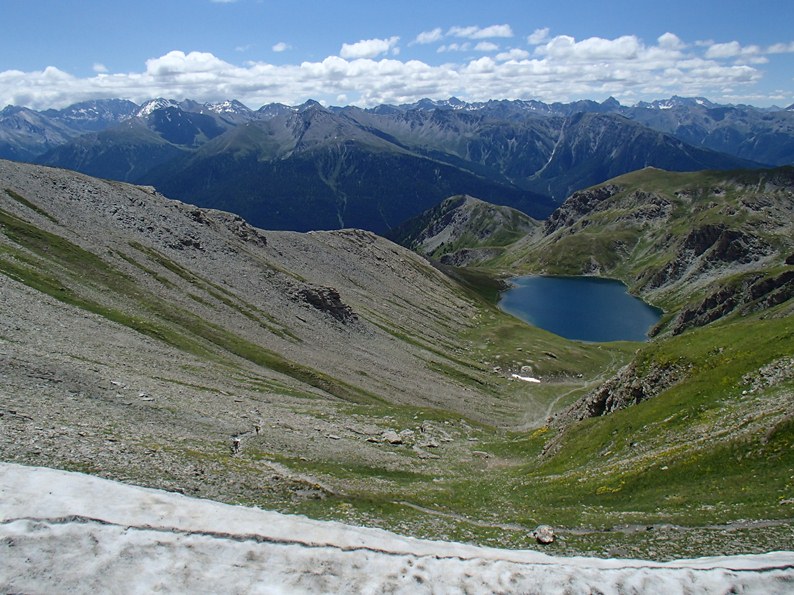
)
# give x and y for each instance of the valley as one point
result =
(339, 375)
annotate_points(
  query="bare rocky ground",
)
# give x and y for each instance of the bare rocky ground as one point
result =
(82, 391)
(152, 342)
(204, 356)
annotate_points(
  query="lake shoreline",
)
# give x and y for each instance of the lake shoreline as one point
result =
(585, 307)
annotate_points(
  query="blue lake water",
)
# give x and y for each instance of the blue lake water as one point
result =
(582, 308)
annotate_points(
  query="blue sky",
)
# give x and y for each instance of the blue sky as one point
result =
(57, 52)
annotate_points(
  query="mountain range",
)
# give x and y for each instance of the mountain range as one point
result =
(313, 167)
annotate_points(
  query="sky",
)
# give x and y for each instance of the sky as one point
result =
(352, 52)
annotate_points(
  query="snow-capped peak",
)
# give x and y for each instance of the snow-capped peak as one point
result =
(155, 104)
(227, 107)
(676, 101)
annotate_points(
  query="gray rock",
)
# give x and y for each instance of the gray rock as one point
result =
(391, 437)
(544, 534)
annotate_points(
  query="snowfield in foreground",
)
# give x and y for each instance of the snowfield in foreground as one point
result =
(62, 531)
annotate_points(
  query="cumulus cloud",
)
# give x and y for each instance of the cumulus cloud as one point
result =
(98, 67)
(514, 54)
(782, 48)
(481, 32)
(429, 36)
(177, 63)
(281, 47)
(369, 48)
(454, 47)
(729, 50)
(486, 46)
(368, 72)
(670, 41)
(627, 47)
(538, 36)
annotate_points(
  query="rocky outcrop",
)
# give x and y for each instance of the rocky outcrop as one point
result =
(649, 207)
(234, 223)
(469, 256)
(754, 292)
(578, 205)
(709, 247)
(630, 386)
(327, 300)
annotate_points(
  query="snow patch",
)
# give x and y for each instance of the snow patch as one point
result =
(69, 532)
(524, 378)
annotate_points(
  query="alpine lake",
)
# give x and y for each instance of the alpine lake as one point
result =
(589, 309)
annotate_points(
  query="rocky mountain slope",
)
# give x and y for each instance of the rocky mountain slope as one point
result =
(593, 148)
(701, 245)
(338, 375)
(761, 135)
(464, 230)
(715, 250)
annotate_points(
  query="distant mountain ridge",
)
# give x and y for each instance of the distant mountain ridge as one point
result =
(463, 230)
(313, 167)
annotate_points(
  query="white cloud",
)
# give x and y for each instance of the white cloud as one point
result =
(454, 47)
(368, 48)
(369, 72)
(626, 47)
(486, 46)
(480, 32)
(732, 49)
(281, 46)
(781, 48)
(98, 67)
(177, 63)
(538, 36)
(514, 54)
(670, 41)
(429, 36)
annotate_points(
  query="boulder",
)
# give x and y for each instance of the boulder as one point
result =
(391, 437)
(544, 534)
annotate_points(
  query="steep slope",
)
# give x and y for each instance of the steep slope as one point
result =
(463, 230)
(25, 134)
(592, 148)
(124, 153)
(742, 131)
(314, 169)
(502, 142)
(207, 282)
